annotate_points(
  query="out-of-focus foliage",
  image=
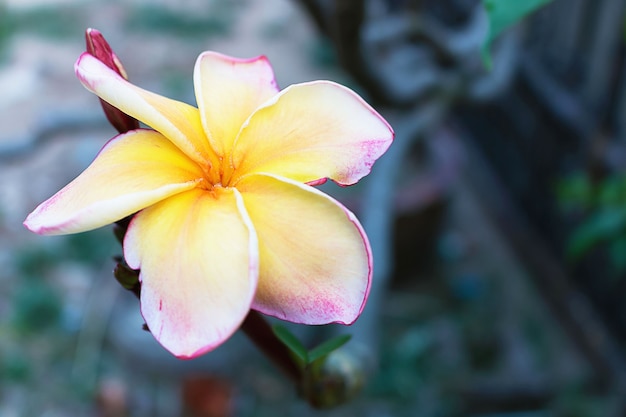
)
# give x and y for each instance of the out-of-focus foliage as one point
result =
(36, 304)
(45, 21)
(4, 29)
(603, 206)
(503, 14)
(67, 21)
(217, 20)
(40, 327)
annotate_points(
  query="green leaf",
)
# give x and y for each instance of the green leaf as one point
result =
(503, 14)
(612, 191)
(617, 252)
(291, 341)
(328, 346)
(575, 191)
(599, 227)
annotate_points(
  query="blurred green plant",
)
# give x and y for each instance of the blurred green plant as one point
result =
(36, 305)
(503, 14)
(6, 28)
(574, 401)
(35, 352)
(90, 248)
(218, 20)
(60, 21)
(602, 206)
(48, 21)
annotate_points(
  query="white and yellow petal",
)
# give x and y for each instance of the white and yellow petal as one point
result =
(310, 132)
(132, 171)
(228, 90)
(315, 258)
(198, 256)
(177, 121)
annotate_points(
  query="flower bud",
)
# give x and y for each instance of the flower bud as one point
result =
(127, 277)
(100, 48)
(336, 378)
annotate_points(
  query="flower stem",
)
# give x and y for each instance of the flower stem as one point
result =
(259, 331)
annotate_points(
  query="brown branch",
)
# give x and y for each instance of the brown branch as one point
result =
(400, 60)
(346, 23)
(259, 331)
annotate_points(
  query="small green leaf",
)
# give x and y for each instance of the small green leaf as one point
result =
(503, 14)
(575, 191)
(617, 252)
(292, 342)
(599, 227)
(612, 191)
(328, 346)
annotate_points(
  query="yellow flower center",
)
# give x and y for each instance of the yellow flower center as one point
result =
(218, 172)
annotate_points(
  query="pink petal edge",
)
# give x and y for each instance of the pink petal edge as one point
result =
(368, 250)
(133, 260)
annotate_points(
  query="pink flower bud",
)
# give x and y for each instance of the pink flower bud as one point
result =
(100, 48)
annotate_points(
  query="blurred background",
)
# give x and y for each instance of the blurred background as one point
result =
(497, 218)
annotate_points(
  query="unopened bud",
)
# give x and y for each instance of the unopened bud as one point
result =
(127, 277)
(100, 48)
(337, 378)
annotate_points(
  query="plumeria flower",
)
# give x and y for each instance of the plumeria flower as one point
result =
(227, 216)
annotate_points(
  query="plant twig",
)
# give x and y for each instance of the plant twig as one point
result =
(259, 331)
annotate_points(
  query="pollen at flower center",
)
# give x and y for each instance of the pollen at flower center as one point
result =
(216, 175)
(211, 188)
